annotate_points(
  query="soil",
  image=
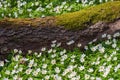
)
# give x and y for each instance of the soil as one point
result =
(26, 38)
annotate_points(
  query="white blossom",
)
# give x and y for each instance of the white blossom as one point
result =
(70, 42)
(2, 63)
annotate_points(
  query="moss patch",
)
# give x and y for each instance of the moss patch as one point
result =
(35, 22)
(106, 12)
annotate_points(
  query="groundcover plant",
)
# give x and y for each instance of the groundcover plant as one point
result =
(99, 61)
(42, 8)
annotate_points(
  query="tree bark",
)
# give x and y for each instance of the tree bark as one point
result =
(28, 37)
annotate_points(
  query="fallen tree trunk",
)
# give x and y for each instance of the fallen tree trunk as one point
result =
(34, 38)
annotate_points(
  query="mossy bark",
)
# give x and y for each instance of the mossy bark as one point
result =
(106, 12)
(33, 22)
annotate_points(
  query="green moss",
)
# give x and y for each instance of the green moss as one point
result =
(34, 22)
(106, 12)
